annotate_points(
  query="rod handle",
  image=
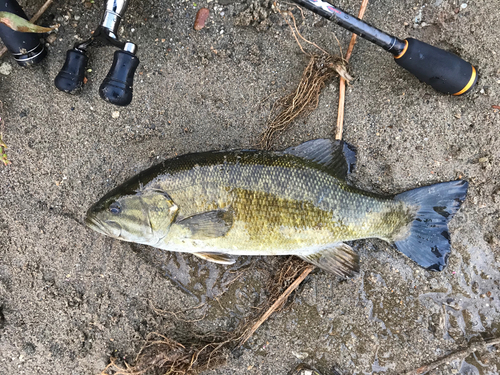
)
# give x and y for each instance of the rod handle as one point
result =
(443, 70)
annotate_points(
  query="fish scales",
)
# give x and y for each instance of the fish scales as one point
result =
(281, 203)
(247, 202)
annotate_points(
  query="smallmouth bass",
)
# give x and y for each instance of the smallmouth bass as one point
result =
(217, 205)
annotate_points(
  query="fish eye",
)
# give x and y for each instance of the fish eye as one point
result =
(115, 208)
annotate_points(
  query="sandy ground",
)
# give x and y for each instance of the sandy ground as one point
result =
(71, 298)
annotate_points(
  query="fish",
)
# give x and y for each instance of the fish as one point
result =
(219, 205)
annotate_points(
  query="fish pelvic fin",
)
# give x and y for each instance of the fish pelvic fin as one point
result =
(338, 157)
(219, 258)
(339, 259)
(210, 224)
(428, 239)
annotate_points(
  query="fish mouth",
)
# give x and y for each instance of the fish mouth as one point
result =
(104, 228)
(95, 224)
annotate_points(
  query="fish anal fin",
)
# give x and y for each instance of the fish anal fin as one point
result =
(339, 259)
(210, 224)
(338, 157)
(219, 258)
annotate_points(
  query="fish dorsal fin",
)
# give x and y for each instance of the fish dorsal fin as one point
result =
(338, 157)
(339, 259)
(219, 258)
(210, 224)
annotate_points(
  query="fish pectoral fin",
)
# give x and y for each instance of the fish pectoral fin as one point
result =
(210, 224)
(338, 157)
(219, 258)
(339, 259)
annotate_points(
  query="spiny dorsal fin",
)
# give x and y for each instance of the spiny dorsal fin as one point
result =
(338, 156)
(210, 224)
(219, 258)
(339, 259)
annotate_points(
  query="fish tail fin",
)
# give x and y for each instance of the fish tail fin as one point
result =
(428, 242)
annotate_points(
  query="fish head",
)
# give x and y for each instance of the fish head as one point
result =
(143, 217)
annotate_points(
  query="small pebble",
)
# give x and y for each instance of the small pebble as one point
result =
(5, 69)
(51, 38)
(201, 18)
(463, 6)
(115, 114)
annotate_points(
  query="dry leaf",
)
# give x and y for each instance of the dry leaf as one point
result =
(17, 23)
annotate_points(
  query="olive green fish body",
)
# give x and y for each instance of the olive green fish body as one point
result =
(281, 204)
(297, 201)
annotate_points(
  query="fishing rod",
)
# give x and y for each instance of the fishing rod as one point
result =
(444, 71)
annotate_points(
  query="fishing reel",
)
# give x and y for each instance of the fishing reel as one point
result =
(117, 86)
(26, 48)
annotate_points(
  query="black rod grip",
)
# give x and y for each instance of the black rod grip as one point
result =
(70, 78)
(117, 86)
(442, 70)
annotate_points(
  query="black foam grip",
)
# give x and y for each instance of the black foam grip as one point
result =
(442, 70)
(70, 78)
(117, 86)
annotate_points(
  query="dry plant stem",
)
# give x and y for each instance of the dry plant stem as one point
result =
(340, 115)
(305, 98)
(296, 30)
(41, 11)
(277, 304)
(32, 20)
(464, 353)
(3, 154)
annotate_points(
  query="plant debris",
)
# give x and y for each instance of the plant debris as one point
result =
(340, 112)
(200, 352)
(17, 23)
(460, 354)
(304, 99)
(3, 147)
(171, 357)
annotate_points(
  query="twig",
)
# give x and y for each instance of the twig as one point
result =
(3, 154)
(32, 20)
(165, 312)
(277, 303)
(340, 115)
(463, 353)
(41, 11)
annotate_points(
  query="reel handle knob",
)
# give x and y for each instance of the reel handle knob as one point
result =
(117, 86)
(70, 78)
